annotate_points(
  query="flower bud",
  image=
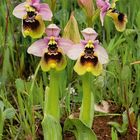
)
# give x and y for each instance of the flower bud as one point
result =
(71, 30)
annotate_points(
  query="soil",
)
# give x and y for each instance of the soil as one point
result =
(100, 126)
(103, 130)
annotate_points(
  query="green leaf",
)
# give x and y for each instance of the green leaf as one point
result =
(114, 43)
(125, 73)
(19, 85)
(118, 127)
(130, 32)
(138, 126)
(51, 128)
(114, 134)
(1, 105)
(81, 131)
(9, 113)
(138, 19)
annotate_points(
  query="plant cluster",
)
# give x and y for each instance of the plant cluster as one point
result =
(66, 53)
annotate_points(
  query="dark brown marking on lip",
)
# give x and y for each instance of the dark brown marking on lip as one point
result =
(51, 56)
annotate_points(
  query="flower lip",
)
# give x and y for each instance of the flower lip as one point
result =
(52, 48)
(31, 14)
(89, 52)
(121, 17)
(53, 56)
(30, 22)
(93, 60)
(56, 57)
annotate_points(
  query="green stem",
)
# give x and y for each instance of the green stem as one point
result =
(1, 124)
(52, 96)
(32, 85)
(89, 21)
(95, 16)
(127, 109)
(30, 106)
(87, 108)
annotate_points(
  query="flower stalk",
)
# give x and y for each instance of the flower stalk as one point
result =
(52, 106)
(127, 110)
(87, 108)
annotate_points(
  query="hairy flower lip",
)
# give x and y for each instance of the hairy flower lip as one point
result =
(33, 26)
(30, 22)
(57, 57)
(121, 16)
(119, 19)
(84, 59)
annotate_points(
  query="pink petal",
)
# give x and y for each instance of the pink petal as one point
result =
(53, 30)
(75, 51)
(96, 43)
(65, 44)
(84, 42)
(35, 1)
(37, 48)
(36, 5)
(103, 6)
(102, 15)
(19, 11)
(100, 3)
(102, 54)
(89, 34)
(45, 12)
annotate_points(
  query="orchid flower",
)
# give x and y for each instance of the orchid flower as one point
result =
(90, 57)
(119, 19)
(32, 13)
(108, 9)
(89, 54)
(51, 49)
